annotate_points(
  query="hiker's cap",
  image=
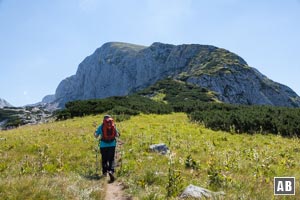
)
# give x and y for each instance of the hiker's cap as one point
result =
(107, 116)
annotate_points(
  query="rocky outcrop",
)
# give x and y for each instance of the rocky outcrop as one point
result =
(49, 98)
(118, 69)
(4, 103)
(197, 192)
(159, 148)
(247, 86)
(12, 117)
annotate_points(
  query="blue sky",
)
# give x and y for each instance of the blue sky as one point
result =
(42, 42)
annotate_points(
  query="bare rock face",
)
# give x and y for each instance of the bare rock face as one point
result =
(247, 86)
(118, 69)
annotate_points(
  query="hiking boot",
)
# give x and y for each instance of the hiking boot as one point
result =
(111, 176)
(104, 174)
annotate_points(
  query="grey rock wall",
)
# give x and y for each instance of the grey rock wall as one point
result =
(247, 86)
(118, 69)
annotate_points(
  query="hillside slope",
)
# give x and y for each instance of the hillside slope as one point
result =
(57, 160)
(119, 69)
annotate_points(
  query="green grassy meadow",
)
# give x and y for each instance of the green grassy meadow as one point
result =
(58, 160)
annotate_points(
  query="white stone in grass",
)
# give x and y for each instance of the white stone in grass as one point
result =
(193, 191)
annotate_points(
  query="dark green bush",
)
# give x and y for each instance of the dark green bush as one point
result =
(128, 105)
(200, 106)
(249, 119)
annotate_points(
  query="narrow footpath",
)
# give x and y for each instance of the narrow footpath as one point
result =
(114, 191)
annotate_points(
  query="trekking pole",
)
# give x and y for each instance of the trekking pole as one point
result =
(118, 144)
(116, 153)
(97, 150)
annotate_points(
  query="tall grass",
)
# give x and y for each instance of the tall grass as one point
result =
(57, 160)
(241, 165)
(50, 161)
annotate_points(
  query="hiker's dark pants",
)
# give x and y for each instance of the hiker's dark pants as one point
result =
(108, 159)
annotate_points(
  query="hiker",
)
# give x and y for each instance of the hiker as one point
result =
(108, 133)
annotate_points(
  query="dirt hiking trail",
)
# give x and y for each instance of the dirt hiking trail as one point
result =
(114, 191)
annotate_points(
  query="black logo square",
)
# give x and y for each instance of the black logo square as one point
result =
(284, 185)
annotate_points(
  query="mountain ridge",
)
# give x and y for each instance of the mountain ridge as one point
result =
(119, 69)
(4, 103)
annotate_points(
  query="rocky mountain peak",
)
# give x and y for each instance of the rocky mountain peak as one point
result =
(118, 69)
(4, 103)
(48, 98)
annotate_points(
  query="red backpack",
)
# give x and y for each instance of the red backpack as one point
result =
(109, 131)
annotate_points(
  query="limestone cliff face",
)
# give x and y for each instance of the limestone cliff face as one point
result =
(247, 86)
(117, 69)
